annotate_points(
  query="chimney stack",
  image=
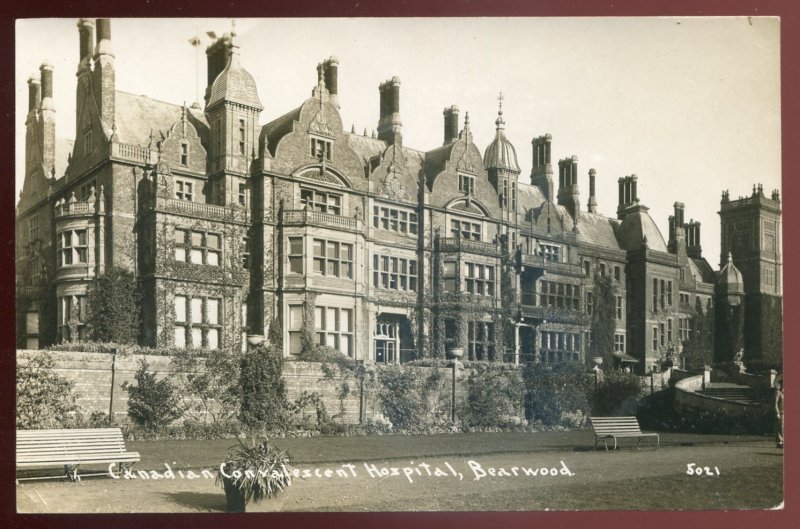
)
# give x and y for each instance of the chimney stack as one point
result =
(693, 247)
(86, 32)
(47, 127)
(627, 194)
(331, 72)
(677, 234)
(568, 192)
(104, 77)
(542, 172)
(592, 205)
(450, 124)
(389, 126)
(216, 60)
(34, 93)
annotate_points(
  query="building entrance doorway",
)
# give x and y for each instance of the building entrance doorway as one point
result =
(393, 339)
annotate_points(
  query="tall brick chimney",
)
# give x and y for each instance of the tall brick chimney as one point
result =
(390, 126)
(104, 77)
(693, 248)
(592, 204)
(34, 93)
(217, 59)
(330, 69)
(568, 192)
(450, 124)
(86, 39)
(542, 172)
(47, 128)
(677, 234)
(627, 194)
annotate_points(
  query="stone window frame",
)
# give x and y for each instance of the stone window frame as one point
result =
(295, 255)
(185, 153)
(242, 136)
(479, 279)
(321, 148)
(619, 342)
(74, 253)
(88, 143)
(193, 325)
(450, 276)
(184, 190)
(559, 346)
(242, 193)
(202, 246)
(589, 304)
(480, 333)
(310, 198)
(338, 265)
(466, 229)
(620, 307)
(391, 270)
(548, 251)
(617, 273)
(337, 336)
(466, 183)
(65, 306)
(554, 294)
(395, 219)
(670, 330)
(655, 337)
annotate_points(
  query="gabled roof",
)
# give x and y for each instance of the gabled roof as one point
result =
(435, 161)
(280, 127)
(704, 272)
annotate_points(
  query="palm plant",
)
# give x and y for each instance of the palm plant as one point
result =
(254, 472)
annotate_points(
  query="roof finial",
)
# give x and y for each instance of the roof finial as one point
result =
(233, 27)
(466, 121)
(500, 121)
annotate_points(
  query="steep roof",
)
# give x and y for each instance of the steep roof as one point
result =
(702, 270)
(500, 154)
(280, 127)
(598, 230)
(63, 150)
(234, 83)
(136, 116)
(367, 148)
(637, 226)
(528, 197)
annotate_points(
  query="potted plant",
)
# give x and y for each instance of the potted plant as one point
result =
(253, 472)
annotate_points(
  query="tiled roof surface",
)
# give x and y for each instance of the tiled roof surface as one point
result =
(136, 116)
(598, 230)
(636, 226)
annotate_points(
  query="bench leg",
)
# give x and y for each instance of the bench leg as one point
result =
(71, 471)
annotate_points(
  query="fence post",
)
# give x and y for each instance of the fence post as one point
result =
(113, 377)
(453, 392)
(361, 399)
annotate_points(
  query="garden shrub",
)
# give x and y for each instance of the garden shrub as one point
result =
(494, 397)
(209, 384)
(617, 394)
(152, 403)
(412, 399)
(44, 399)
(299, 408)
(263, 390)
(552, 393)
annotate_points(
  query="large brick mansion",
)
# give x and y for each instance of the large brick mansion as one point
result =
(229, 224)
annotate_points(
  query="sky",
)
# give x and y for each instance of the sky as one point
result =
(690, 105)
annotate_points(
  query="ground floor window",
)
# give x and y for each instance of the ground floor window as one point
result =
(480, 340)
(334, 328)
(559, 346)
(619, 343)
(197, 322)
(72, 313)
(387, 343)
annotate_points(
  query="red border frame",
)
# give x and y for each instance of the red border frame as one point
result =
(790, 44)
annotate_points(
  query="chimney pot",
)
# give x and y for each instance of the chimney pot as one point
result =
(34, 93)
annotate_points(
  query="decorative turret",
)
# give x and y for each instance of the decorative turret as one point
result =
(500, 161)
(729, 312)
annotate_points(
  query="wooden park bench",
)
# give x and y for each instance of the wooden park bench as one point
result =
(72, 448)
(616, 427)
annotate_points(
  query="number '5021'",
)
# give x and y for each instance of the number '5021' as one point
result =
(693, 470)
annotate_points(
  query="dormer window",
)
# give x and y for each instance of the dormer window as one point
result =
(184, 154)
(466, 184)
(321, 149)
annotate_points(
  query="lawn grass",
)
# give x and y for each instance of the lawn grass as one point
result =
(308, 450)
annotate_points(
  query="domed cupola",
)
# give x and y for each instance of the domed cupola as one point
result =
(500, 154)
(500, 162)
(730, 281)
(234, 84)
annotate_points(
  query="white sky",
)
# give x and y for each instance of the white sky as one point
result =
(691, 105)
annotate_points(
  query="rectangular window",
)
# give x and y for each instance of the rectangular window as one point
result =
(295, 328)
(669, 330)
(559, 295)
(199, 247)
(242, 142)
(450, 278)
(333, 258)
(617, 273)
(395, 273)
(513, 194)
(549, 252)
(320, 149)
(180, 245)
(184, 190)
(619, 343)
(334, 328)
(655, 338)
(602, 270)
(296, 255)
(72, 247)
(669, 293)
(184, 154)
(88, 147)
(394, 220)
(655, 294)
(465, 229)
(479, 279)
(242, 194)
(466, 184)
(620, 311)
(197, 322)
(663, 296)
(662, 333)
(321, 201)
(245, 252)
(589, 303)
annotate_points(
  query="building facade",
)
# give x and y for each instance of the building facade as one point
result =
(381, 251)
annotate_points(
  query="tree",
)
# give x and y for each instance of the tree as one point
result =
(603, 323)
(210, 384)
(114, 307)
(44, 399)
(698, 350)
(151, 403)
(263, 391)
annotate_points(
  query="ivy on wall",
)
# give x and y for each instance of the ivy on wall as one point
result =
(114, 302)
